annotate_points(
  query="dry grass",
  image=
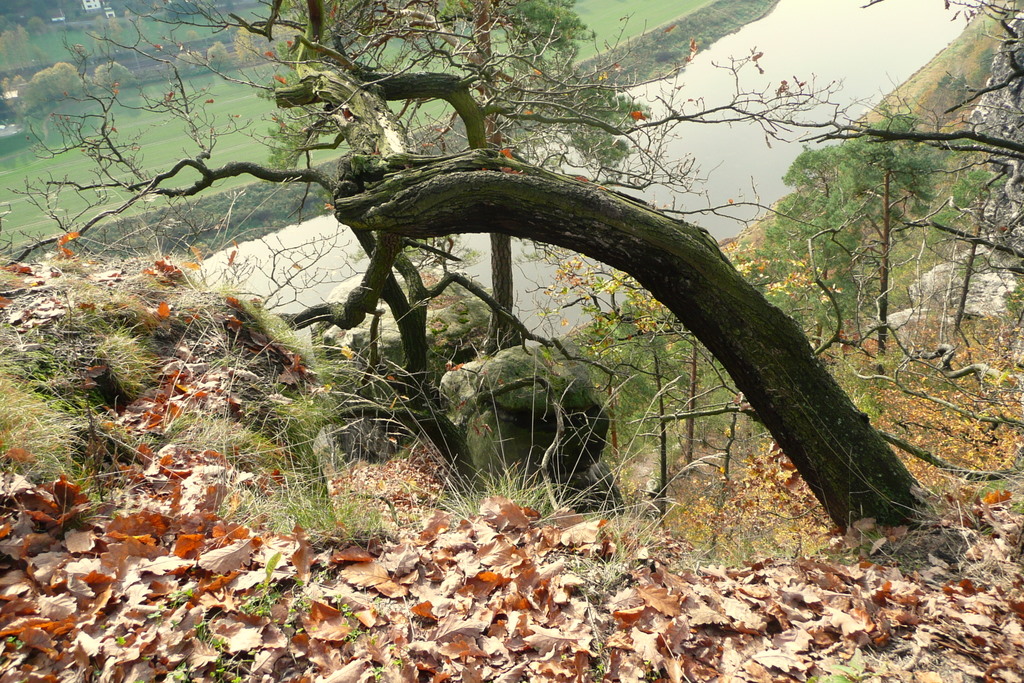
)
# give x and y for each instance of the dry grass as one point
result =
(36, 438)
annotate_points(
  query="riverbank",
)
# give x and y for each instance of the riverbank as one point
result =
(665, 50)
(661, 48)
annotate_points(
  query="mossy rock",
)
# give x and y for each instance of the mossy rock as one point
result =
(504, 376)
(456, 329)
(507, 405)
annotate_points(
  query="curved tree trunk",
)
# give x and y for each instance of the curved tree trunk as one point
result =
(845, 461)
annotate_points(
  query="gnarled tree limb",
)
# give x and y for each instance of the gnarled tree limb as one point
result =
(845, 461)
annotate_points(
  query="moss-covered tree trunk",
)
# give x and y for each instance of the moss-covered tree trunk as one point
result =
(845, 461)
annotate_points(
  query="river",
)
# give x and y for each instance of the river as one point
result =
(868, 50)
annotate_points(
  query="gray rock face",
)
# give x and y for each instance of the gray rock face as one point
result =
(937, 292)
(361, 438)
(939, 289)
(507, 405)
(457, 325)
(1001, 113)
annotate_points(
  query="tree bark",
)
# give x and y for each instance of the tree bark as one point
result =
(662, 497)
(965, 287)
(845, 461)
(691, 404)
(883, 265)
(500, 334)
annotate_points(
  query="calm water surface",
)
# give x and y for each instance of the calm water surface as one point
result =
(867, 52)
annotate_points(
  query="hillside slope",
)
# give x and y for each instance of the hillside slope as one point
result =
(170, 590)
(198, 536)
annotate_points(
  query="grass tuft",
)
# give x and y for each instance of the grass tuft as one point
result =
(131, 365)
(36, 439)
(305, 502)
(244, 448)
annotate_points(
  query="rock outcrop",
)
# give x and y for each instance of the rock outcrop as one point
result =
(508, 406)
(456, 328)
(938, 292)
(1000, 113)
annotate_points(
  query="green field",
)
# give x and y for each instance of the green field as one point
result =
(614, 20)
(163, 142)
(53, 43)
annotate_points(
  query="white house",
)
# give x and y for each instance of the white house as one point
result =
(91, 5)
